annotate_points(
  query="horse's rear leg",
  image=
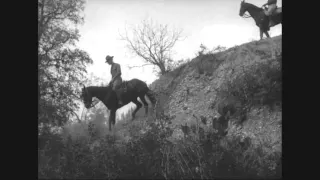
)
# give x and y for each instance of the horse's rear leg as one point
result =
(151, 97)
(112, 118)
(139, 105)
(109, 122)
(267, 34)
(144, 103)
(261, 34)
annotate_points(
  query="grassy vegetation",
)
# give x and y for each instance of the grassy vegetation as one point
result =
(153, 153)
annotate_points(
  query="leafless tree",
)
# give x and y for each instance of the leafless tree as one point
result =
(152, 42)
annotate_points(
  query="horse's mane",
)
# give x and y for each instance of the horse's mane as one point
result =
(97, 89)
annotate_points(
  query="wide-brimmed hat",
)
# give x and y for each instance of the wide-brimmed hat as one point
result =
(108, 58)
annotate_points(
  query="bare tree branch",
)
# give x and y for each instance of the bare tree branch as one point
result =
(74, 113)
(153, 43)
(130, 67)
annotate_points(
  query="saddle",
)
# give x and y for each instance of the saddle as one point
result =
(124, 86)
(275, 12)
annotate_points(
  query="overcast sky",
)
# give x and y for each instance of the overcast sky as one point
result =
(210, 22)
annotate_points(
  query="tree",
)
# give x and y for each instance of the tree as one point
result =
(61, 65)
(153, 43)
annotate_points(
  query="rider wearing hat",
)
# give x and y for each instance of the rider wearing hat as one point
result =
(272, 6)
(116, 77)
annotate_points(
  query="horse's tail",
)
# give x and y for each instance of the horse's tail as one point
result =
(150, 94)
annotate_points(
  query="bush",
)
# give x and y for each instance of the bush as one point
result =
(207, 61)
(206, 64)
(153, 154)
(258, 85)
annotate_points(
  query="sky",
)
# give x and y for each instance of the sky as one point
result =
(207, 22)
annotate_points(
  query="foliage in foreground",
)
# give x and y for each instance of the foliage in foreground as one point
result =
(61, 64)
(154, 154)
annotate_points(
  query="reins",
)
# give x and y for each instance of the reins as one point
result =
(246, 16)
(84, 114)
(93, 104)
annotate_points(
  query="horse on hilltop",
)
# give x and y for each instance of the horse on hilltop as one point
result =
(259, 16)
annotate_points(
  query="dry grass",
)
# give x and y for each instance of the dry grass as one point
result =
(151, 152)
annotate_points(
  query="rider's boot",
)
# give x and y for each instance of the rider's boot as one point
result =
(119, 98)
(270, 21)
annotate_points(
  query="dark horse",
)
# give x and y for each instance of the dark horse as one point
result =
(261, 19)
(130, 91)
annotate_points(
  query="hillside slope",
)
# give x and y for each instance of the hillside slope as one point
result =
(193, 91)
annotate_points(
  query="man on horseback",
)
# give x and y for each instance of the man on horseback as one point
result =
(116, 77)
(272, 6)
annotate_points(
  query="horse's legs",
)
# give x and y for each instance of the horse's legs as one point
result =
(139, 105)
(113, 113)
(110, 122)
(151, 97)
(261, 34)
(267, 34)
(144, 103)
(112, 118)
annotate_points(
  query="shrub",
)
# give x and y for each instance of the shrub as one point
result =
(155, 154)
(207, 61)
(207, 64)
(258, 85)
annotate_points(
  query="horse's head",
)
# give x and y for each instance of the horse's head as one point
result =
(243, 8)
(86, 97)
